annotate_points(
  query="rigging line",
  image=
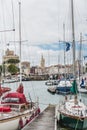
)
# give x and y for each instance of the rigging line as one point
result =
(77, 123)
(4, 25)
(75, 41)
(19, 41)
(33, 90)
(78, 13)
(13, 14)
(45, 103)
(68, 23)
(13, 25)
(3, 20)
(9, 30)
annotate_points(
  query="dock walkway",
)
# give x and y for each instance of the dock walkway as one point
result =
(45, 121)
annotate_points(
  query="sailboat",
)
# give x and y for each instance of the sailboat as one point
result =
(72, 113)
(3, 89)
(15, 110)
(81, 79)
(64, 86)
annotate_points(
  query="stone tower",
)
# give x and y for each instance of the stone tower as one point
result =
(42, 63)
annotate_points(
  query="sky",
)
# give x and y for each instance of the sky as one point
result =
(42, 30)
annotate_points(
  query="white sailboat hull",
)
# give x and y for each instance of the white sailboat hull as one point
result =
(10, 125)
(14, 123)
(82, 90)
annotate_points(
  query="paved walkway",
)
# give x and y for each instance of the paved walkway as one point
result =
(45, 121)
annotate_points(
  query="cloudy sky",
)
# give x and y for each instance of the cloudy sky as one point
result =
(42, 29)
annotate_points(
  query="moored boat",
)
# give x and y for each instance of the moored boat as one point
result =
(16, 111)
(82, 87)
(11, 80)
(72, 113)
(49, 83)
(4, 90)
(52, 90)
(64, 87)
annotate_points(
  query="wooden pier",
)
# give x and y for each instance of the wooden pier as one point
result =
(45, 121)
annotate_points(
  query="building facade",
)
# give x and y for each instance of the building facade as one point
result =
(9, 54)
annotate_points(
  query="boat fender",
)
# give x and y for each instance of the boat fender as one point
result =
(38, 110)
(20, 123)
(32, 116)
(26, 121)
(29, 120)
(35, 113)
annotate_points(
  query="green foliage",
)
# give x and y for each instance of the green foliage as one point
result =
(86, 69)
(13, 69)
(0, 69)
(86, 64)
(13, 61)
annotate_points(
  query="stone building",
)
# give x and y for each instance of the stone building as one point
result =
(25, 67)
(42, 63)
(9, 54)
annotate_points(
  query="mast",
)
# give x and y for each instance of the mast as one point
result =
(20, 40)
(80, 56)
(74, 85)
(64, 50)
(73, 39)
(81, 72)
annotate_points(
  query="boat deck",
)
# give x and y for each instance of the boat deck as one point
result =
(70, 108)
(45, 121)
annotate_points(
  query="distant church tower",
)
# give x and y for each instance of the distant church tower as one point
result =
(42, 63)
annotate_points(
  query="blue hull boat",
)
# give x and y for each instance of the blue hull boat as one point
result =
(64, 87)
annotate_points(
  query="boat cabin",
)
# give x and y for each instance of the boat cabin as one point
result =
(16, 101)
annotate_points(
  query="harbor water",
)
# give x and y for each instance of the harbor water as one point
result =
(37, 90)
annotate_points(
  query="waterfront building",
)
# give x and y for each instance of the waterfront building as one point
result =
(42, 63)
(25, 67)
(9, 54)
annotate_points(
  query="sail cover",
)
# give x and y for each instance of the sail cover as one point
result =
(74, 89)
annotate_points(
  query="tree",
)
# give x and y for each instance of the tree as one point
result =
(13, 61)
(86, 67)
(0, 70)
(13, 69)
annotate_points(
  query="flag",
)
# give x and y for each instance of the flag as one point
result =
(67, 46)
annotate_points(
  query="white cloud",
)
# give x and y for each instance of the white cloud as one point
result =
(42, 22)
